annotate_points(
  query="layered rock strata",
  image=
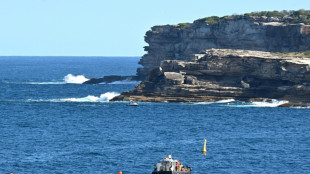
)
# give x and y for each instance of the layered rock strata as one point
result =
(217, 74)
(179, 42)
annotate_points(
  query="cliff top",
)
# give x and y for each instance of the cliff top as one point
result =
(234, 53)
(285, 16)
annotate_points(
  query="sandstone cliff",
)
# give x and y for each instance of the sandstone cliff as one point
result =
(229, 57)
(217, 74)
(179, 42)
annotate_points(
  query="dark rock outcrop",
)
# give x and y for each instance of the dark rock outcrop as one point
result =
(217, 74)
(110, 79)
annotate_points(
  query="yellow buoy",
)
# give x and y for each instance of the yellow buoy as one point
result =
(204, 150)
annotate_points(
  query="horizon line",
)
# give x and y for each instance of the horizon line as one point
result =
(70, 56)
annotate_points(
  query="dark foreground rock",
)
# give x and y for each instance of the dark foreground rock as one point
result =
(110, 79)
(295, 105)
(217, 74)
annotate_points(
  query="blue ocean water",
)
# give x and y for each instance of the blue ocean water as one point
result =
(49, 123)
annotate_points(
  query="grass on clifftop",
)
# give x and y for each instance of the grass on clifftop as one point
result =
(285, 16)
(183, 25)
(305, 54)
(292, 17)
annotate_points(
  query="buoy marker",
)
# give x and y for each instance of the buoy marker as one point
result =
(204, 150)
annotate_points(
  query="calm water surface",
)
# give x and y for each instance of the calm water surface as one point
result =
(50, 126)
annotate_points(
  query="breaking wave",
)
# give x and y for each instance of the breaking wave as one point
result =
(272, 103)
(225, 101)
(220, 101)
(269, 103)
(106, 97)
(233, 103)
(79, 79)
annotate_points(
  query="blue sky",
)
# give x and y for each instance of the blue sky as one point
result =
(106, 28)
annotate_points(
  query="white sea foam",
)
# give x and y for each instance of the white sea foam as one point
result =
(272, 103)
(225, 101)
(202, 103)
(90, 98)
(233, 103)
(220, 101)
(79, 79)
(103, 98)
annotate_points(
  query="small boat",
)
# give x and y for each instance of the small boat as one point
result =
(171, 166)
(132, 103)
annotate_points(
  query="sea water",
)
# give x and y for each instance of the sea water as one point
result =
(52, 123)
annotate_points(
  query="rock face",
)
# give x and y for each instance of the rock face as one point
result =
(177, 42)
(217, 74)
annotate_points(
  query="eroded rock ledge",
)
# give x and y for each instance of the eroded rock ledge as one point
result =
(217, 74)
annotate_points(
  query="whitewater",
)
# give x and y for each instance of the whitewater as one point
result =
(106, 97)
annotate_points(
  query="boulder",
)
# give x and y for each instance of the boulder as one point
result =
(173, 78)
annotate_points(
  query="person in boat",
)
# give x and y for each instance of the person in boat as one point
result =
(181, 167)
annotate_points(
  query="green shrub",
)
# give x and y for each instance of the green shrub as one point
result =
(183, 25)
(275, 14)
(307, 54)
(213, 20)
(292, 17)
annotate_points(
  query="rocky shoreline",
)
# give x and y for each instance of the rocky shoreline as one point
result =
(219, 74)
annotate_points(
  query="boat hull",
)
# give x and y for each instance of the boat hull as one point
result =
(132, 105)
(172, 172)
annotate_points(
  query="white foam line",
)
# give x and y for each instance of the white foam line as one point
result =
(272, 103)
(106, 97)
(208, 103)
(225, 101)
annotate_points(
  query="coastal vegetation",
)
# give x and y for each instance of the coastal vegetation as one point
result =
(305, 54)
(183, 25)
(285, 16)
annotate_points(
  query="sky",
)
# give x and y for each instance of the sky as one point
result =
(106, 27)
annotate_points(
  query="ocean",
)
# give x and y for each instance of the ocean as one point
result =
(51, 123)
